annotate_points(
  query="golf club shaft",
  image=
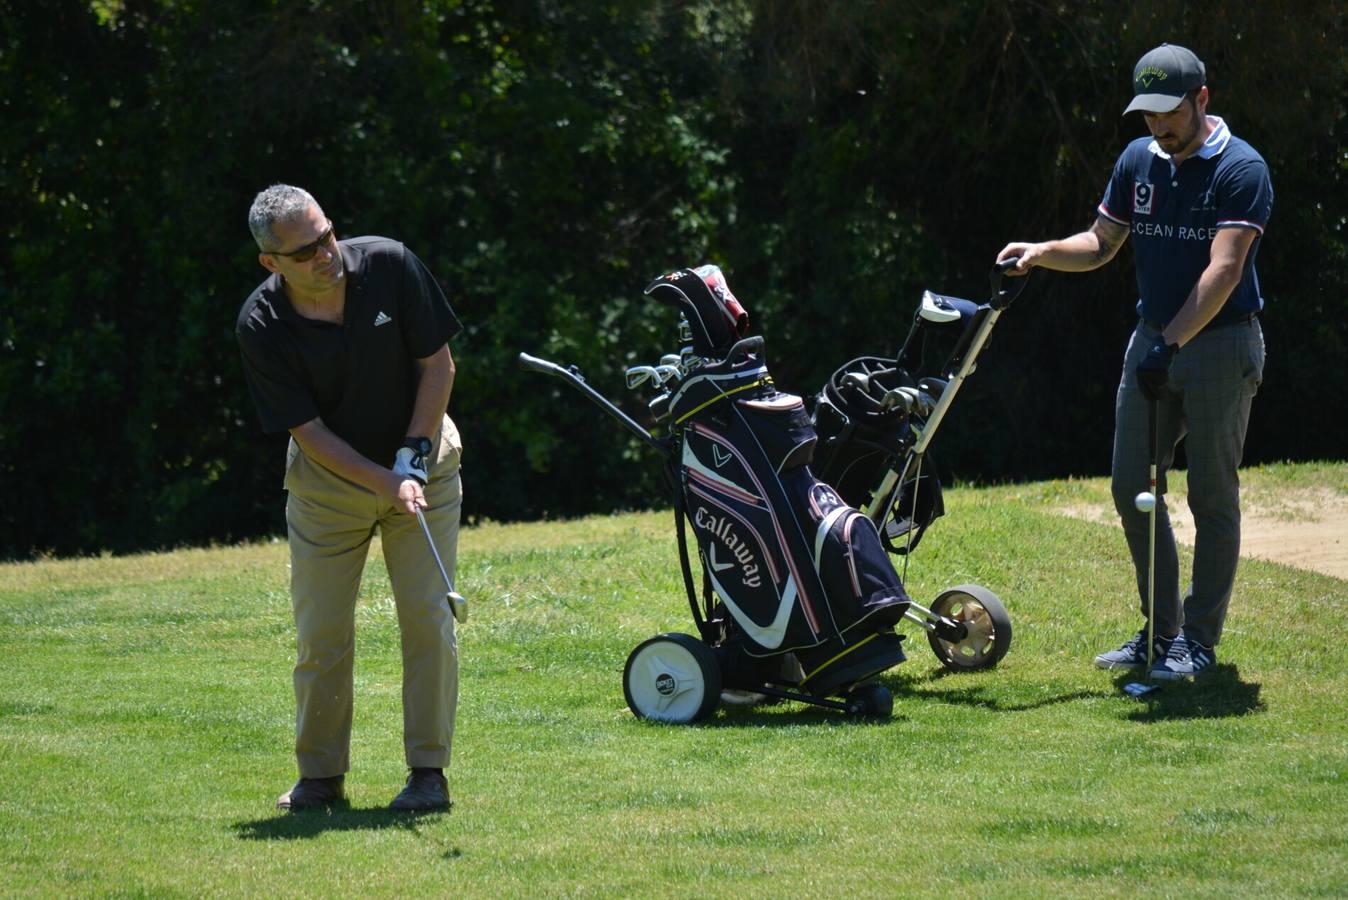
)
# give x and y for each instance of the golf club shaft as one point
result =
(457, 605)
(1152, 404)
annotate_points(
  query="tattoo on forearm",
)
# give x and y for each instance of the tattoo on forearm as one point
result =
(1107, 243)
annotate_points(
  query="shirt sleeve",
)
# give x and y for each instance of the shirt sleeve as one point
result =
(1246, 197)
(1117, 205)
(281, 399)
(428, 321)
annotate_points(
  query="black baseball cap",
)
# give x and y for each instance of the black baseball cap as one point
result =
(1163, 76)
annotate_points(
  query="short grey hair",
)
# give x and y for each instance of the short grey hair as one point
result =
(278, 203)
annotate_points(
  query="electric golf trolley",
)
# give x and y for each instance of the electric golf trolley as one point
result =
(795, 516)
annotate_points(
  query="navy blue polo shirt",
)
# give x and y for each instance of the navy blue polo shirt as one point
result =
(360, 376)
(1173, 213)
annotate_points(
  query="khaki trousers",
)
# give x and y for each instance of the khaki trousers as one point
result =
(330, 522)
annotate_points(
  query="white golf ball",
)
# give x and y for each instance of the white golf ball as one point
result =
(1145, 501)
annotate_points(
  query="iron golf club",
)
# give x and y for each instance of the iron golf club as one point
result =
(896, 397)
(857, 381)
(1146, 502)
(458, 606)
(639, 375)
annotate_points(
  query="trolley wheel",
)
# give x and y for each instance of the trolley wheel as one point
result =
(672, 678)
(871, 700)
(988, 624)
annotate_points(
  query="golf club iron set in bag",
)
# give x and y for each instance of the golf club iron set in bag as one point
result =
(799, 597)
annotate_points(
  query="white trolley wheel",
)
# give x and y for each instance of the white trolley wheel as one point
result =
(988, 624)
(672, 678)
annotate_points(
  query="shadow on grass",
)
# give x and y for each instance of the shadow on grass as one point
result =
(1215, 695)
(311, 823)
(793, 713)
(788, 714)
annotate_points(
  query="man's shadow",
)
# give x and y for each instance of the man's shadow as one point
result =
(1217, 694)
(311, 823)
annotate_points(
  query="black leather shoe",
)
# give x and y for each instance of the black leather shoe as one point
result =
(426, 790)
(311, 793)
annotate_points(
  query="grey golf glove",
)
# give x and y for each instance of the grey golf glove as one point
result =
(410, 461)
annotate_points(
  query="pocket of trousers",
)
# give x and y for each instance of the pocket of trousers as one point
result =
(449, 452)
(292, 455)
(1255, 358)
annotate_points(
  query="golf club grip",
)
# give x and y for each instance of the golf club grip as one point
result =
(1002, 265)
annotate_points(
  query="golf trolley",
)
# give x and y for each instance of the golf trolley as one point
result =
(799, 597)
(876, 418)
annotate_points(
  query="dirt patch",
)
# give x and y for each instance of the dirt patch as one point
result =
(1306, 529)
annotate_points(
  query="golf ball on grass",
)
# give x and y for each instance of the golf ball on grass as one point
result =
(1145, 501)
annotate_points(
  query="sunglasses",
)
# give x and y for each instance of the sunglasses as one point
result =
(306, 253)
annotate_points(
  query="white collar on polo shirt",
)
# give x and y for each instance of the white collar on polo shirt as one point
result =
(1216, 142)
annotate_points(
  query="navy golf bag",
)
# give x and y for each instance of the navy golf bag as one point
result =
(793, 567)
(798, 597)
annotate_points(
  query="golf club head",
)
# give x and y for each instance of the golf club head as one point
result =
(933, 386)
(895, 397)
(689, 360)
(666, 373)
(1138, 689)
(918, 401)
(858, 381)
(639, 375)
(458, 606)
(659, 407)
(670, 359)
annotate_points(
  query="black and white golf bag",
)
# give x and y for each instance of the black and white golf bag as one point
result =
(798, 596)
(787, 565)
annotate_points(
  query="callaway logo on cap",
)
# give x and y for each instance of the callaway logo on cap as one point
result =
(1163, 76)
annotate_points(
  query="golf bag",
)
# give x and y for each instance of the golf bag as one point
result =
(861, 438)
(794, 567)
(876, 416)
(798, 597)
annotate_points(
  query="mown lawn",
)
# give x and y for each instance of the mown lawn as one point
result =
(146, 723)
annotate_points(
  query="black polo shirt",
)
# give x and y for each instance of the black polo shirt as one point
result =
(360, 376)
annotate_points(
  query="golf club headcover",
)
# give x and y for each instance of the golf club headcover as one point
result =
(410, 462)
(1154, 370)
(715, 318)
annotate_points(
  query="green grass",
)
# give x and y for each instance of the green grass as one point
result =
(146, 723)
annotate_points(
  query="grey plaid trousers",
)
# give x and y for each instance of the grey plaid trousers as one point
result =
(1207, 405)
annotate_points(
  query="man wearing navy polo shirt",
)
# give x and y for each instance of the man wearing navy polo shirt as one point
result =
(1195, 199)
(345, 347)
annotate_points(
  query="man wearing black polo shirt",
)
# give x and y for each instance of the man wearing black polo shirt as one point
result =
(345, 346)
(1195, 200)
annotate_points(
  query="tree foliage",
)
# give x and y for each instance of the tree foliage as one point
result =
(548, 158)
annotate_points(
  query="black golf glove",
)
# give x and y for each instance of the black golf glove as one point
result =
(1154, 370)
(410, 461)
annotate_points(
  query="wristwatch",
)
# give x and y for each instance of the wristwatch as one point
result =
(422, 445)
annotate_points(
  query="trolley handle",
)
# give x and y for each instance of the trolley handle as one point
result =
(547, 367)
(1006, 288)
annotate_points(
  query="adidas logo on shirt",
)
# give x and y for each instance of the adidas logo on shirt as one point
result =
(382, 319)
